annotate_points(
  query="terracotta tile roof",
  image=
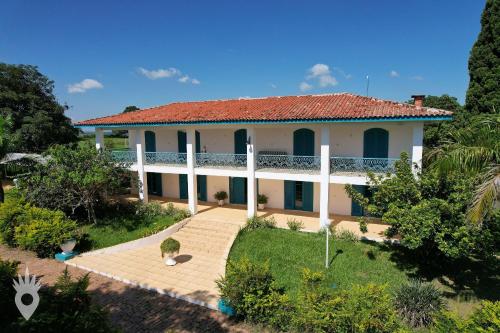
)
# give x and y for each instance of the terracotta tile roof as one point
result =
(342, 106)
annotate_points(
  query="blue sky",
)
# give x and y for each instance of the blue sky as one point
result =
(104, 55)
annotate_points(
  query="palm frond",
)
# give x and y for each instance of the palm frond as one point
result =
(486, 195)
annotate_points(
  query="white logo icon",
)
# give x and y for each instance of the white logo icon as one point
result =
(27, 287)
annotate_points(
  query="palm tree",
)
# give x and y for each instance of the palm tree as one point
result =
(4, 124)
(474, 150)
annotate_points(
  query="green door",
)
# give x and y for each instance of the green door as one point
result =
(299, 195)
(240, 141)
(237, 190)
(183, 186)
(289, 194)
(376, 143)
(303, 142)
(153, 179)
(307, 196)
(356, 209)
(201, 184)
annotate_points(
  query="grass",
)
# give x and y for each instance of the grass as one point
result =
(463, 283)
(112, 143)
(109, 232)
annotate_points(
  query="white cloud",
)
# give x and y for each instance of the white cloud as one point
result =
(304, 86)
(159, 73)
(417, 78)
(393, 73)
(84, 85)
(341, 72)
(167, 73)
(320, 73)
(273, 85)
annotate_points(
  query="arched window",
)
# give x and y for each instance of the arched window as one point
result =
(376, 143)
(303, 142)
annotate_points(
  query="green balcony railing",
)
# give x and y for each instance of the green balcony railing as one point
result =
(265, 161)
(165, 158)
(221, 160)
(361, 164)
(126, 156)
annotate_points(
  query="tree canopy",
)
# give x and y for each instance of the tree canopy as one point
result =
(130, 108)
(38, 119)
(483, 95)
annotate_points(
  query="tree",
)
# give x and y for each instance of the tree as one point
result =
(474, 151)
(122, 133)
(4, 125)
(483, 95)
(38, 120)
(130, 108)
(73, 179)
(428, 212)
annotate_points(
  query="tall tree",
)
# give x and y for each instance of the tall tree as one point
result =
(38, 120)
(4, 124)
(130, 108)
(483, 95)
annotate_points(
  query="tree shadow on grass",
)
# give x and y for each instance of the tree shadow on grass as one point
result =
(465, 279)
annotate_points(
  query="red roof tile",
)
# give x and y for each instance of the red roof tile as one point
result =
(287, 108)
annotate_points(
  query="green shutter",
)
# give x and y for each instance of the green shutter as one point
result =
(183, 186)
(303, 142)
(150, 141)
(376, 143)
(289, 194)
(201, 183)
(307, 196)
(181, 142)
(240, 141)
(356, 209)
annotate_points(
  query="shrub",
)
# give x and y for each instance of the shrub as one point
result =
(8, 270)
(485, 319)
(42, 230)
(262, 199)
(150, 210)
(251, 290)
(169, 246)
(10, 211)
(66, 307)
(221, 195)
(295, 225)
(417, 302)
(256, 222)
(346, 235)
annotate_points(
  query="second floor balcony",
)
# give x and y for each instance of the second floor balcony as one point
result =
(265, 162)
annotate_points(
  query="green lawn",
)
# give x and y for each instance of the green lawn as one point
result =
(111, 143)
(463, 284)
(114, 231)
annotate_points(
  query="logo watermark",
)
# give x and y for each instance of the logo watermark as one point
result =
(30, 287)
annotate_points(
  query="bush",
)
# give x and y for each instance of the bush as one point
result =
(294, 225)
(417, 302)
(221, 195)
(485, 319)
(256, 222)
(346, 236)
(10, 211)
(262, 199)
(8, 270)
(66, 307)
(169, 246)
(250, 289)
(150, 210)
(42, 230)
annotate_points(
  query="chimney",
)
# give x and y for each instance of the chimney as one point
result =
(418, 100)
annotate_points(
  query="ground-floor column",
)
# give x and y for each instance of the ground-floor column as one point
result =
(99, 138)
(142, 176)
(191, 177)
(417, 146)
(325, 177)
(252, 184)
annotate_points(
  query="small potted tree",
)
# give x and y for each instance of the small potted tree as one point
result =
(262, 201)
(170, 247)
(220, 197)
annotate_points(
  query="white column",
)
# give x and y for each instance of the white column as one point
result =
(417, 146)
(191, 177)
(325, 177)
(140, 145)
(99, 138)
(252, 184)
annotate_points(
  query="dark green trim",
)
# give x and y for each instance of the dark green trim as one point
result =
(289, 121)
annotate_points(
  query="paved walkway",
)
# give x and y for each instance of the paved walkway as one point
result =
(205, 243)
(131, 309)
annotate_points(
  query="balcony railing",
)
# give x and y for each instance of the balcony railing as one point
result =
(165, 158)
(288, 162)
(360, 164)
(127, 156)
(221, 160)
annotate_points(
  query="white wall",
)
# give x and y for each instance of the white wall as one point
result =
(274, 190)
(170, 184)
(347, 139)
(280, 137)
(216, 184)
(339, 201)
(217, 140)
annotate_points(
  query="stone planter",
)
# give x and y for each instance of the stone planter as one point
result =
(261, 206)
(170, 261)
(221, 202)
(68, 246)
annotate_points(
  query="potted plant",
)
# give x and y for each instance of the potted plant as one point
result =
(170, 247)
(220, 197)
(261, 201)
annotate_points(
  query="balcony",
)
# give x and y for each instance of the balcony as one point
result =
(167, 158)
(221, 160)
(360, 165)
(124, 156)
(288, 163)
